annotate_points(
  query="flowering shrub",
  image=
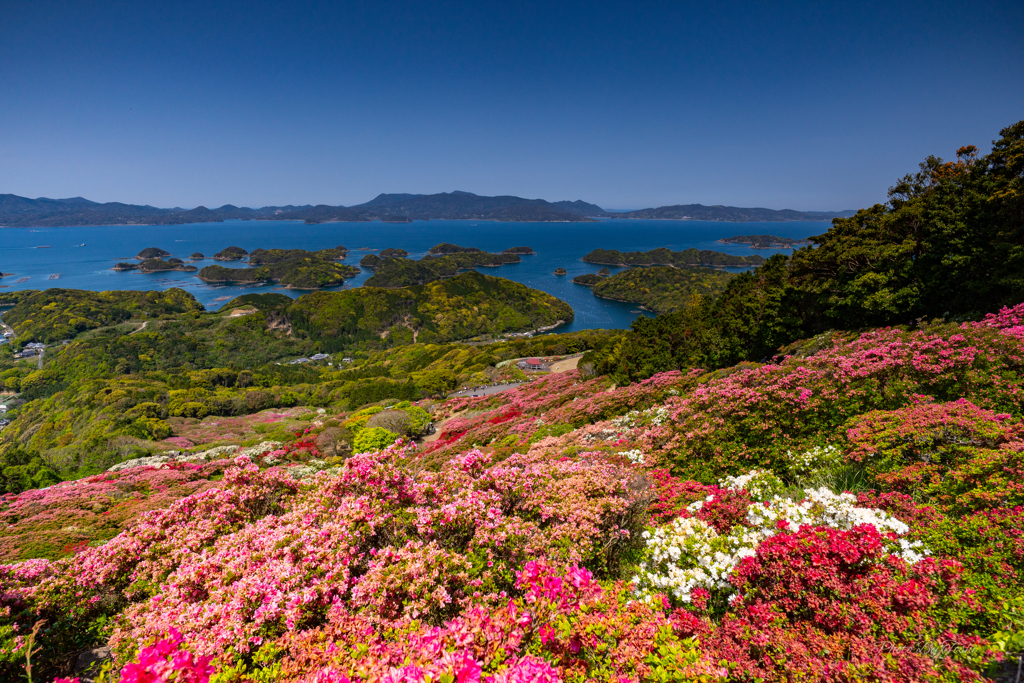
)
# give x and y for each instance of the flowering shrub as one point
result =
(756, 416)
(263, 556)
(836, 605)
(692, 553)
(804, 465)
(960, 456)
(505, 549)
(373, 439)
(761, 485)
(55, 521)
(165, 660)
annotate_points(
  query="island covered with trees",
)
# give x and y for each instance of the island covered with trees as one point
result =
(443, 260)
(765, 241)
(666, 257)
(292, 268)
(660, 289)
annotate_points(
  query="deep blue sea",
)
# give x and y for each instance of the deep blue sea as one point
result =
(556, 244)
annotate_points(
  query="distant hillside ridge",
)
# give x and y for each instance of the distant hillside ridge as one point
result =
(466, 205)
(18, 211)
(735, 214)
(22, 212)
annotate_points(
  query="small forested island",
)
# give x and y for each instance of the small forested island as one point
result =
(445, 248)
(666, 257)
(560, 271)
(293, 268)
(197, 255)
(391, 252)
(265, 257)
(156, 265)
(661, 289)
(522, 251)
(230, 254)
(588, 279)
(371, 261)
(443, 260)
(152, 252)
(765, 241)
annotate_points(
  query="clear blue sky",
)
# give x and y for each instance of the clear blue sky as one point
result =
(811, 106)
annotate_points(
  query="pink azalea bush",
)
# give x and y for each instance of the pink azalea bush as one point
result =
(505, 550)
(66, 517)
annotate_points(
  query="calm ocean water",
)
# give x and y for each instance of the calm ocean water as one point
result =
(557, 245)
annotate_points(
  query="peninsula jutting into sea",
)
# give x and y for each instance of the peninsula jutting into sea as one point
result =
(16, 212)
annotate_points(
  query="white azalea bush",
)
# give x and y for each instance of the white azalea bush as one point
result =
(635, 456)
(688, 554)
(760, 484)
(652, 417)
(816, 460)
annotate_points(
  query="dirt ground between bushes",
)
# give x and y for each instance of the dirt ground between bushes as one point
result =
(565, 365)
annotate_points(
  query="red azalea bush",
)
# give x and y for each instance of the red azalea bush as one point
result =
(831, 605)
(960, 456)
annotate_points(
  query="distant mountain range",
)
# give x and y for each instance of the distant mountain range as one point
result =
(18, 211)
(699, 212)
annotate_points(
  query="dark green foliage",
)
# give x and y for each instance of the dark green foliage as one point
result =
(667, 257)
(57, 314)
(587, 280)
(764, 241)
(662, 289)
(394, 253)
(519, 250)
(156, 265)
(263, 302)
(948, 244)
(231, 254)
(371, 261)
(21, 470)
(152, 252)
(372, 392)
(445, 248)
